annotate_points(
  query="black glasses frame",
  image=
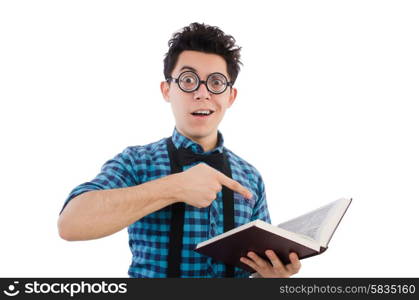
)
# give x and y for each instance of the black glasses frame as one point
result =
(199, 81)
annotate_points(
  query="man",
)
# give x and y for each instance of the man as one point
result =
(179, 191)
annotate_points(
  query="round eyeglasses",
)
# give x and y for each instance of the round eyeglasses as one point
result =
(189, 82)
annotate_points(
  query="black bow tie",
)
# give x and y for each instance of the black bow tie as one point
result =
(186, 157)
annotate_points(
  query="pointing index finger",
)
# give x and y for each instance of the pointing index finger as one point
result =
(234, 185)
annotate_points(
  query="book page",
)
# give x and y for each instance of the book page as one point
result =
(309, 224)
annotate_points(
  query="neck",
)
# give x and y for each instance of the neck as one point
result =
(206, 142)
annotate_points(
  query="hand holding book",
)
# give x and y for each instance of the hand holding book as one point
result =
(307, 235)
(273, 268)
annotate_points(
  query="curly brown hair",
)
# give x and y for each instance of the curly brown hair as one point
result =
(204, 38)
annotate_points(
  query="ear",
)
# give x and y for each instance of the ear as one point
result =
(164, 88)
(232, 97)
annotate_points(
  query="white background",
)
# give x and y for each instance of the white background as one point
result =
(327, 108)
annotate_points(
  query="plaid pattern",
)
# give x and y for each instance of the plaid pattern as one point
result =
(149, 236)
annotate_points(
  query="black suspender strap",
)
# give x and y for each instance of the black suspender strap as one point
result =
(178, 215)
(177, 220)
(228, 209)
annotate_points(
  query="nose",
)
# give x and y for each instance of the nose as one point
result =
(202, 92)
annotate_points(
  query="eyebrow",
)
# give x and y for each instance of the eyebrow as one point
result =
(188, 68)
(194, 70)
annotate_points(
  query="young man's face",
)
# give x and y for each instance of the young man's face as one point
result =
(184, 105)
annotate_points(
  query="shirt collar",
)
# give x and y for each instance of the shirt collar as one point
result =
(181, 141)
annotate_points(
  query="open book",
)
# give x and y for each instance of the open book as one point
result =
(306, 235)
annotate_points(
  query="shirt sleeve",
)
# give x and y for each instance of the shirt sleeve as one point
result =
(117, 172)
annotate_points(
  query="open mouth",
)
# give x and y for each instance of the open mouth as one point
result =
(202, 113)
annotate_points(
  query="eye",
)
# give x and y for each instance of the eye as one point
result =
(188, 80)
(217, 82)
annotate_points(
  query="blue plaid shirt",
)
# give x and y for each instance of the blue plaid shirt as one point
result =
(149, 236)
